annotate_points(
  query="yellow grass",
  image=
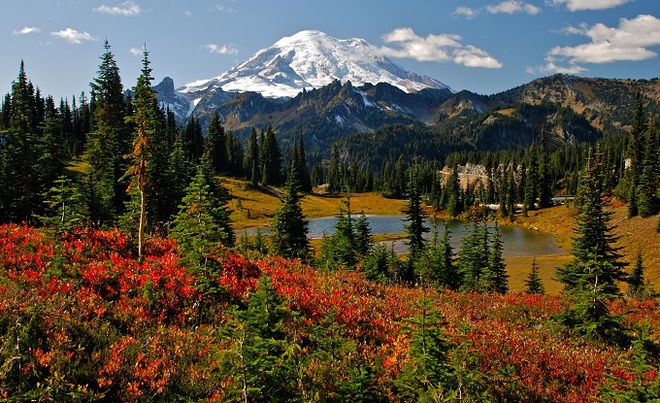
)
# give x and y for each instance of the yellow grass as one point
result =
(77, 165)
(636, 234)
(254, 208)
(508, 112)
(519, 267)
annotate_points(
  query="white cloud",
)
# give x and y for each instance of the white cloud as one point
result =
(72, 36)
(579, 5)
(223, 9)
(26, 31)
(221, 49)
(188, 13)
(127, 9)
(630, 41)
(439, 48)
(552, 68)
(472, 56)
(467, 12)
(513, 7)
(136, 51)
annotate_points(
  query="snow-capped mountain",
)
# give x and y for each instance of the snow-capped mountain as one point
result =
(308, 60)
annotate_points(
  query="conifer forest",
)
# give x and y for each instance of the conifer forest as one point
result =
(123, 278)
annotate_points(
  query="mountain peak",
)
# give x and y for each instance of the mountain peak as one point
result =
(312, 59)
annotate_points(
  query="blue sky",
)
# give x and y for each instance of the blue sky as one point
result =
(482, 46)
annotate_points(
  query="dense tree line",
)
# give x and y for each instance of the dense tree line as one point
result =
(147, 191)
(121, 160)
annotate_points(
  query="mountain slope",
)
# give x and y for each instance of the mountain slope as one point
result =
(328, 89)
(309, 60)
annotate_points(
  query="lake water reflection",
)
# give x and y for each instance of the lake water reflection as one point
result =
(517, 241)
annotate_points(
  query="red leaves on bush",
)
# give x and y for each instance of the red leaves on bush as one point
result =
(91, 285)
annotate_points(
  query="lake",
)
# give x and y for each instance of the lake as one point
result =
(517, 241)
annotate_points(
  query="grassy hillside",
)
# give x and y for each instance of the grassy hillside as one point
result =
(636, 234)
(255, 208)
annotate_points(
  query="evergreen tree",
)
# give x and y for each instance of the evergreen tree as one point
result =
(636, 281)
(453, 189)
(263, 353)
(63, 210)
(334, 174)
(414, 227)
(303, 171)
(200, 225)
(364, 241)
(648, 203)
(339, 250)
(251, 160)
(400, 179)
(636, 145)
(51, 160)
(317, 178)
(473, 257)
(171, 129)
(494, 278)
(193, 140)
(289, 238)
(220, 197)
(378, 263)
(129, 221)
(82, 121)
(503, 193)
(544, 179)
(270, 158)
(21, 152)
(531, 181)
(449, 276)
(217, 144)
(5, 112)
(636, 151)
(145, 121)
(511, 192)
(179, 175)
(436, 268)
(159, 150)
(590, 279)
(234, 155)
(107, 142)
(5, 181)
(427, 375)
(533, 283)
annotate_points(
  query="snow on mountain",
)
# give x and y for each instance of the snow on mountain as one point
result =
(307, 60)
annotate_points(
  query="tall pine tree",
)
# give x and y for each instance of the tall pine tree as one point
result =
(636, 149)
(648, 202)
(107, 142)
(216, 140)
(290, 228)
(415, 219)
(544, 179)
(24, 195)
(271, 160)
(251, 161)
(145, 121)
(591, 278)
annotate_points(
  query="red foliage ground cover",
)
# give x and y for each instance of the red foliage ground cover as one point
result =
(81, 316)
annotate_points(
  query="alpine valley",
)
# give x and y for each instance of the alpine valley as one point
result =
(330, 89)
